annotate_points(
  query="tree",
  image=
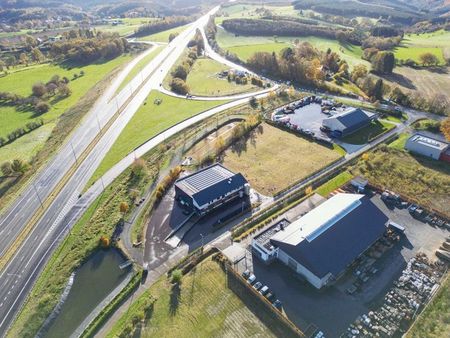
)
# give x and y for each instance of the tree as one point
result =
(172, 36)
(179, 86)
(37, 55)
(445, 128)
(383, 62)
(138, 167)
(358, 72)
(64, 90)
(428, 59)
(219, 145)
(23, 59)
(180, 72)
(124, 207)
(176, 276)
(6, 168)
(253, 102)
(39, 89)
(308, 190)
(18, 166)
(42, 107)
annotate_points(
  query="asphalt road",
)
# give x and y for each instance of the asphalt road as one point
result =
(17, 278)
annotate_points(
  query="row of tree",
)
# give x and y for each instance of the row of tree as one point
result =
(16, 167)
(289, 28)
(15, 134)
(162, 25)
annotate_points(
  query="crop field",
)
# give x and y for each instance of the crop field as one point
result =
(202, 306)
(21, 80)
(422, 179)
(164, 36)
(203, 80)
(245, 46)
(148, 121)
(271, 158)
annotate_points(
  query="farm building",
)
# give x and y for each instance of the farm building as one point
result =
(427, 146)
(348, 121)
(321, 245)
(210, 188)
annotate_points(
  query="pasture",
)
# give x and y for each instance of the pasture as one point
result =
(203, 80)
(127, 27)
(148, 121)
(271, 159)
(164, 36)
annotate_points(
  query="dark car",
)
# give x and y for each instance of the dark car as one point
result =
(277, 305)
(246, 274)
(271, 296)
(257, 286)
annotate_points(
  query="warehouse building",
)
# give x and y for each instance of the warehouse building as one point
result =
(322, 244)
(427, 146)
(347, 122)
(210, 188)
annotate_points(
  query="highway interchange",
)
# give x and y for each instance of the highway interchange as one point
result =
(77, 160)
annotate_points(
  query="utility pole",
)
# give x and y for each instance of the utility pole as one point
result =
(37, 193)
(73, 151)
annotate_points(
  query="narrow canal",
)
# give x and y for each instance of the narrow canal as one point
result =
(94, 280)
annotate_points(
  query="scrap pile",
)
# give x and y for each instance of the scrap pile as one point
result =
(419, 280)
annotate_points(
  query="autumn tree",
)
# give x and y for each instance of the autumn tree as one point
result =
(39, 89)
(123, 208)
(428, 59)
(445, 128)
(358, 72)
(383, 62)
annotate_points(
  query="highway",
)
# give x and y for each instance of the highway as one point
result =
(20, 272)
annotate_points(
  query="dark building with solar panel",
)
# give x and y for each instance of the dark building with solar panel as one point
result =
(210, 188)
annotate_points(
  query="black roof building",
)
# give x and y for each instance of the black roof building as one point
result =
(209, 187)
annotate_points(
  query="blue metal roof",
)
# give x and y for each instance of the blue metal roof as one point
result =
(341, 244)
(219, 189)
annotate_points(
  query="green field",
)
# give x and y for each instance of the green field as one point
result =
(437, 43)
(245, 46)
(21, 80)
(334, 183)
(203, 80)
(129, 26)
(164, 36)
(139, 66)
(147, 122)
(272, 159)
(366, 134)
(202, 306)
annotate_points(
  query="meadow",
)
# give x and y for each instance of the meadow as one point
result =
(147, 122)
(202, 306)
(271, 159)
(368, 133)
(163, 36)
(245, 46)
(129, 26)
(20, 81)
(203, 80)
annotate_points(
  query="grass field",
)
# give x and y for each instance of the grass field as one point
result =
(399, 143)
(201, 307)
(203, 80)
(164, 36)
(147, 122)
(434, 322)
(139, 66)
(272, 159)
(437, 43)
(364, 135)
(420, 178)
(245, 46)
(20, 82)
(129, 26)
(423, 81)
(336, 182)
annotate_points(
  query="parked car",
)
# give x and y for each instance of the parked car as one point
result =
(251, 279)
(264, 290)
(270, 296)
(246, 274)
(277, 305)
(257, 285)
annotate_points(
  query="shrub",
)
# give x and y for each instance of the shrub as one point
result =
(179, 86)
(176, 276)
(42, 107)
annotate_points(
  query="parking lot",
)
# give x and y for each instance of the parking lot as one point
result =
(333, 309)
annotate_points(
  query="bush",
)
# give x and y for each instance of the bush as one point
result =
(179, 86)
(42, 107)
(176, 276)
